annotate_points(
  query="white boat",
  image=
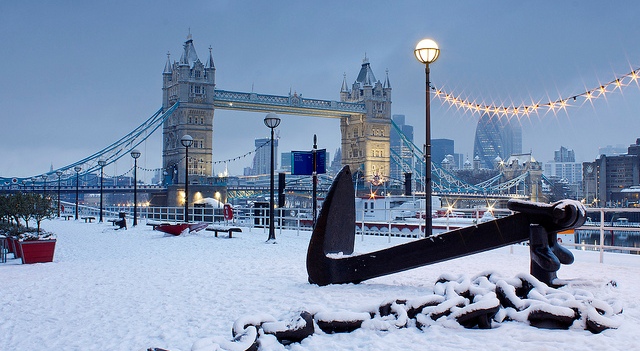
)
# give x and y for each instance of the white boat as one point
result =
(404, 216)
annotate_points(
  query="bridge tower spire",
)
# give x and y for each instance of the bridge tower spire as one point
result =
(365, 138)
(192, 83)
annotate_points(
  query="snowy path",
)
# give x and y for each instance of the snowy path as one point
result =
(134, 289)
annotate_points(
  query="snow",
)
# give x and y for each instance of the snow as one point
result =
(136, 289)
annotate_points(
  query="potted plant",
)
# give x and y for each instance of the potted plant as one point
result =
(31, 244)
(11, 207)
(37, 246)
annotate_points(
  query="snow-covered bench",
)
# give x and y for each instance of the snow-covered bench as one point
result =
(223, 228)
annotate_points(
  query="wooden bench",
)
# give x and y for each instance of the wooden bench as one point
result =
(67, 217)
(224, 229)
(89, 219)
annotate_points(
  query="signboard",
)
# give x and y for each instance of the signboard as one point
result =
(302, 162)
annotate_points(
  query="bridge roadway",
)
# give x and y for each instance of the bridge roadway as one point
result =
(149, 189)
(292, 104)
(67, 189)
(243, 191)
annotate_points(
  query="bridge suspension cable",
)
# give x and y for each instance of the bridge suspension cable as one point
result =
(113, 152)
(444, 181)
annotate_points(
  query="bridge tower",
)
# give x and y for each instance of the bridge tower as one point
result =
(365, 138)
(190, 82)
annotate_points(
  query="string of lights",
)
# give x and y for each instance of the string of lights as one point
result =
(523, 110)
(180, 160)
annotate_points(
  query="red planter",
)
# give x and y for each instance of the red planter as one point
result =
(14, 247)
(37, 251)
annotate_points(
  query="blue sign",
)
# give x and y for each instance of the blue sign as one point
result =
(302, 162)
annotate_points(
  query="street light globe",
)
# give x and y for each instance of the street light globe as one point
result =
(186, 140)
(427, 51)
(102, 163)
(77, 169)
(135, 153)
(59, 173)
(272, 120)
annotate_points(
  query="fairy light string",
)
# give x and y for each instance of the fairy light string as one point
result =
(191, 159)
(523, 110)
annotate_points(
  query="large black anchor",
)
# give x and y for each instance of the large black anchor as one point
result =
(335, 233)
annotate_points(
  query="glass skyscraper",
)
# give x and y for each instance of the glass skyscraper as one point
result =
(496, 137)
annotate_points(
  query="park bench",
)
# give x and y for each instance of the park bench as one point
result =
(66, 217)
(88, 219)
(223, 228)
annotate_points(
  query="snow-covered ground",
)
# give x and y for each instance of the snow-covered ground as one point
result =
(135, 289)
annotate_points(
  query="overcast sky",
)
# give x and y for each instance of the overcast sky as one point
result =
(78, 75)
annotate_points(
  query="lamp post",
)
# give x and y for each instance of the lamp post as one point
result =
(271, 121)
(135, 154)
(101, 163)
(186, 141)
(33, 184)
(59, 174)
(427, 52)
(314, 181)
(77, 169)
(44, 186)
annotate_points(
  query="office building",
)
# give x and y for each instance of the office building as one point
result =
(496, 137)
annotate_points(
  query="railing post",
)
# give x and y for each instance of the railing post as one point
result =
(362, 225)
(601, 235)
(388, 215)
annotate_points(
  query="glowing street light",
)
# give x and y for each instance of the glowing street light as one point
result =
(101, 163)
(135, 154)
(59, 174)
(271, 121)
(427, 52)
(186, 141)
(44, 186)
(77, 169)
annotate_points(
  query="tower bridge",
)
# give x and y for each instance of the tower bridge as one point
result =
(364, 111)
(190, 98)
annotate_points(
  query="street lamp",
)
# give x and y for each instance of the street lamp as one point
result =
(59, 174)
(186, 141)
(135, 154)
(77, 169)
(44, 186)
(33, 184)
(271, 121)
(427, 52)
(101, 163)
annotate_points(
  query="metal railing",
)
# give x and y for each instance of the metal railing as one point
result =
(610, 232)
(609, 224)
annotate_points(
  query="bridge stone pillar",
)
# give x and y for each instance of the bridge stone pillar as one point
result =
(192, 83)
(365, 138)
(518, 164)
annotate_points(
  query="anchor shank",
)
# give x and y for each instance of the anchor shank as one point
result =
(446, 246)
